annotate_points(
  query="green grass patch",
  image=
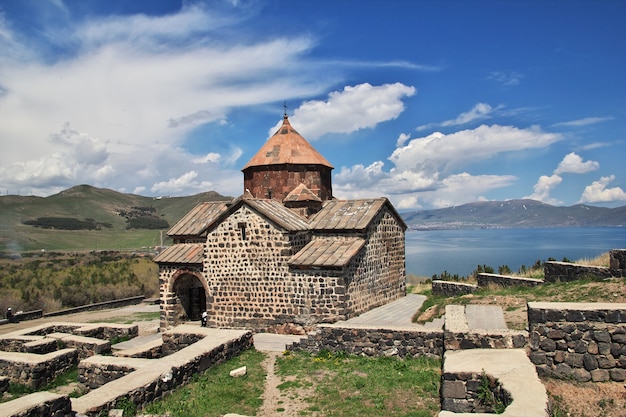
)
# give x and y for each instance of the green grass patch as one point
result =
(135, 317)
(350, 385)
(215, 393)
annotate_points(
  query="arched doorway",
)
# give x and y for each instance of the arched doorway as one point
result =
(191, 297)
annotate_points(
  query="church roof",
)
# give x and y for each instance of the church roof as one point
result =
(279, 214)
(301, 193)
(327, 252)
(286, 146)
(198, 219)
(337, 215)
(182, 253)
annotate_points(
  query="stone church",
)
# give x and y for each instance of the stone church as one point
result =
(285, 251)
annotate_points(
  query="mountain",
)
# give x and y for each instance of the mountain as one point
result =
(85, 217)
(89, 218)
(514, 214)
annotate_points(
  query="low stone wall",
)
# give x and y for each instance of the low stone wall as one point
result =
(96, 371)
(4, 384)
(25, 315)
(485, 280)
(38, 404)
(98, 306)
(85, 346)
(487, 339)
(452, 288)
(149, 383)
(582, 341)
(401, 342)
(566, 272)
(36, 370)
(173, 341)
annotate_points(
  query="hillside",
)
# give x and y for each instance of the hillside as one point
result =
(89, 218)
(100, 218)
(515, 214)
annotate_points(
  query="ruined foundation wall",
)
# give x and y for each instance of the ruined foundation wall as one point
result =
(583, 341)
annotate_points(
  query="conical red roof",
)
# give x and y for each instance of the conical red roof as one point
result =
(286, 146)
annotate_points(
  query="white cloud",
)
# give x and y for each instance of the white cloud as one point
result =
(572, 163)
(355, 107)
(544, 186)
(439, 152)
(186, 181)
(480, 111)
(585, 121)
(506, 78)
(402, 139)
(211, 157)
(598, 193)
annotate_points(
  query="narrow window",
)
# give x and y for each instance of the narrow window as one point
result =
(242, 226)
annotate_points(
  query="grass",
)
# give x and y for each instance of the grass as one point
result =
(215, 393)
(349, 385)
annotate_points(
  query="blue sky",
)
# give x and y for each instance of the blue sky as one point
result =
(430, 103)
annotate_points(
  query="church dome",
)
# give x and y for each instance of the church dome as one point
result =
(287, 146)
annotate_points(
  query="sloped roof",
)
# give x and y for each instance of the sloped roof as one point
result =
(327, 252)
(301, 193)
(279, 214)
(286, 146)
(350, 214)
(198, 219)
(181, 253)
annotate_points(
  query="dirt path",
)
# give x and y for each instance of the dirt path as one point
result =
(275, 402)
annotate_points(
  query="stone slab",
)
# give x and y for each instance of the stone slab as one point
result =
(488, 317)
(397, 313)
(21, 405)
(514, 371)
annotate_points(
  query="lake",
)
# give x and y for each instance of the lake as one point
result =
(460, 251)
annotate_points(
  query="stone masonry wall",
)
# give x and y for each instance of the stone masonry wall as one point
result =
(379, 277)
(37, 370)
(566, 272)
(169, 301)
(618, 261)
(583, 341)
(248, 277)
(452, 288)
(374, 342)
(485, 280)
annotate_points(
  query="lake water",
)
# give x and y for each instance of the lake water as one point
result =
(460, 251)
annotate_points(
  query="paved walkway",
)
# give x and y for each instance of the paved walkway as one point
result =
(397, 313)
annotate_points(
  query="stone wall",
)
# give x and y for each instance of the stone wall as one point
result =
(618, 261)
(485, 280)
(566, 272)
(248, 276)
(583, 341)
(171, 309)
(401, 342)
(39, 404)
(379, 276)
(463, 392)
(452, 288)
(36, 370)
(151, 389)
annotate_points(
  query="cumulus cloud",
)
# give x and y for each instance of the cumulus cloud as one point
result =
(185, 181)
(544, 186)
(355, 107)
(598, 192)
(446, 152)
(426, 170)
(573, 163)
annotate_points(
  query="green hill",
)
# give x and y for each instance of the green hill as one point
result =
(89, 218)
